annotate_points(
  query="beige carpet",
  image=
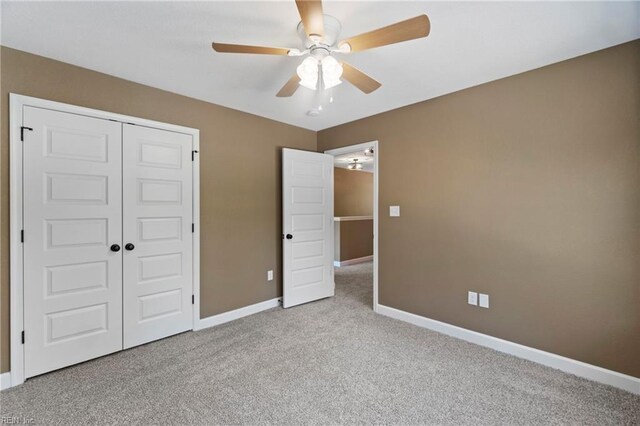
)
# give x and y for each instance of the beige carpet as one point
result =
(328, 362)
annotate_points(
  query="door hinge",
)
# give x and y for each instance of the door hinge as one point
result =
(22, 129)
(193, 299)
(193, 227)
(193, 155)
(23, 337)
(22, 235)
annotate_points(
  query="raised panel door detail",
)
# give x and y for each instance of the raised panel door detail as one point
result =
(306, 195)
(76, 323)
(308, 249)
(65, 233)
(309, 276)
(160, 267)
(159, 305)
(76, 277)
(307, 169)
(307, 222)
(159, 192)
(76, 145)
(158, 154)
(159, 229)
(76, 189)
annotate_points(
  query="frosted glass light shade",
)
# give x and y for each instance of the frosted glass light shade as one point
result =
(308, 73)
(331, 72)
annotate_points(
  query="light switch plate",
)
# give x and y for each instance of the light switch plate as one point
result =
(472, 298)
(269, 275)
(394, 211)
(484, 300)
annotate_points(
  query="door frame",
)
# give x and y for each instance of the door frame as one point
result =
(376, 179)
(16, 278)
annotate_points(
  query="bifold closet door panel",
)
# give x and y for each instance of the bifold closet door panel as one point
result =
(157, 232)
(72, 218)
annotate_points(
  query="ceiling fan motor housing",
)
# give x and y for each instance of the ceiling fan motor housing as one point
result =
(332, 28)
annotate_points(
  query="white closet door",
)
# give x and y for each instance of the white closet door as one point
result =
(72, 216)
(157, 217)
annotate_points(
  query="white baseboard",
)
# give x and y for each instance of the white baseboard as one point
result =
(568, 365)
(237, 313)
(338, 263)
(5, 380)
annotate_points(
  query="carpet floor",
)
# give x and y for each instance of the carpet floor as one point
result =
(329, 362)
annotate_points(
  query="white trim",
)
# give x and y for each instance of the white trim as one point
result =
(16, 104)
(350, 218)
(568, 365)
(376, 217)
(15, 246)
(224, 317)
(5, 380)
(196, 233)
(340, 263)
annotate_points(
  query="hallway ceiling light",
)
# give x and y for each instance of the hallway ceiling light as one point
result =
(355, 165)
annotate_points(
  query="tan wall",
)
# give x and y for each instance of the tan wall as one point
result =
(528, 189)
(356, 239)
(239, 166)
(353, 193)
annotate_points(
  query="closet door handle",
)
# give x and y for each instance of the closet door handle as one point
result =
(289, 236)
(115, 247)
(129, 246)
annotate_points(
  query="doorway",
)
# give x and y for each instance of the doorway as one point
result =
(356, 212)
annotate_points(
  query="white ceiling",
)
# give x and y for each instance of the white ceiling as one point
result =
(168, 45)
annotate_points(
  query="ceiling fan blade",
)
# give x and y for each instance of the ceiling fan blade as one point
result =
(289, 87)
(410, 29)
(240, 48)
(359, 79)
(311, 14)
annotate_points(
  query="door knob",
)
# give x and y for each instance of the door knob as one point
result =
(115, 247)
(289, 236)
(129, 246)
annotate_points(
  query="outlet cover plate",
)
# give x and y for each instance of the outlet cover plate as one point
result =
(484, 301)
(472, 298)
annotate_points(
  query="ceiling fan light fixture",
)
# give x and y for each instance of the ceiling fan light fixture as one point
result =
(331, 72)
(308, 73)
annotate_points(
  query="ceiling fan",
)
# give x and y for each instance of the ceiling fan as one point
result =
(319, 34)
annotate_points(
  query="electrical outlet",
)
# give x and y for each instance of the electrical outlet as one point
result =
(270, 275)
(394, 211)
(472, 298)
(484, 301)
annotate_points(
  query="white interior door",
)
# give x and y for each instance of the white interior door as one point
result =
(157, 233)
(307, 224)
(72, 217)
